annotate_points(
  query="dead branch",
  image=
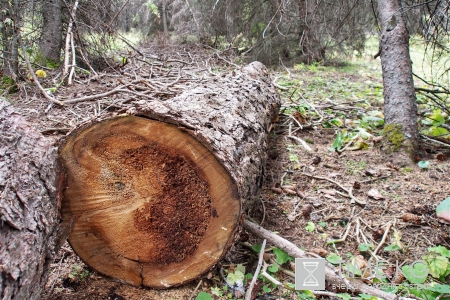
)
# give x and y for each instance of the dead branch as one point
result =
(248, 295)
(35, 79)
(331, 275)
(383, 240)
(349, 191)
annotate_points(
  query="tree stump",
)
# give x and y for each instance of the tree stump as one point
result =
(155, 196)
(28, 207)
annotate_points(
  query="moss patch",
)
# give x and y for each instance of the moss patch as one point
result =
(393, 133)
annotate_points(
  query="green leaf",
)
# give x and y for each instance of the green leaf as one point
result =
(266, 289)
(236, 277)
(281, 256)
(417, 273)
(257, 248)
(440, 288)
(203, 296)
(365, 296)
(310, 227)
(441, 249)
(364, 247)
(336, 122)
(337, 143)
(344, 296)
(422, 293)
(437, 264)
(437, 131)
(334, 259)
(273, 268)
(423, 164)
(373, 121)
(392, 247)
(322, 224)
(216, 291)
(240, 268)
(293, 157)
(436, 118)
(363, 133)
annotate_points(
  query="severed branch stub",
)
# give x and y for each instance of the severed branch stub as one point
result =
(156, 194)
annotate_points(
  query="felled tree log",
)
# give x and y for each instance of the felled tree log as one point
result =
(156, 196)
(28, 207)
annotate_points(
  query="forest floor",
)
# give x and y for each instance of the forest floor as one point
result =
(306, 194)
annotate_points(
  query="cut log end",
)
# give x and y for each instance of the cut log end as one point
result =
(150, 205)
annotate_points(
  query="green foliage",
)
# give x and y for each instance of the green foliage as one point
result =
(310, 227)
(416, 273)
(334, 259)
(365, 247)
(7, 80)
(281, 256)
(79, 274)
(203, 296)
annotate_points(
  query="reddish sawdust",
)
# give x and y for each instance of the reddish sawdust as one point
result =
(412, 191)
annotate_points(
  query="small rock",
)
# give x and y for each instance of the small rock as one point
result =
(315, 217)
(317, 203)
(375, 194)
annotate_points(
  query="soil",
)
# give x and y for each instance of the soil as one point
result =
(301, 186)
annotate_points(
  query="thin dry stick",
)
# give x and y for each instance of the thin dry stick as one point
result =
(68, 34)
(36, 81)
(386, 232)
(349, 192)
(268, 276)
(72, 67)
(304, 144)
(331, 275)
(248, 295)
(195, 290)
(344, 237)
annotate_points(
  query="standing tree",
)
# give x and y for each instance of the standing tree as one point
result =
(51, 41)
(9, 11)
(400, 108)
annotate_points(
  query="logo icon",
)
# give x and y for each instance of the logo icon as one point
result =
(309, 274)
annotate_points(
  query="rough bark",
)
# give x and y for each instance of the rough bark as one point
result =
(156, 196)
(400, 108)
(28, 207)
(51, 41)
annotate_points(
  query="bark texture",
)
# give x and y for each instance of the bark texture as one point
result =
(400, 108)
(156, 195)
(28, 207)
(51, 41)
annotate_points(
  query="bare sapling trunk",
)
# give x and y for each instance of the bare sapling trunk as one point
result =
(400, 108)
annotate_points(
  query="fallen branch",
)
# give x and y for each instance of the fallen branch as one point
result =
(386, 232)
(331, 275)
(349, 191)
(248, 295)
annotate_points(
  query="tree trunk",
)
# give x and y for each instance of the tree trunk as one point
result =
(28, 207)
(400, 108)
(10, 18)
(51, 42)
(156, 196)
(164, 18)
